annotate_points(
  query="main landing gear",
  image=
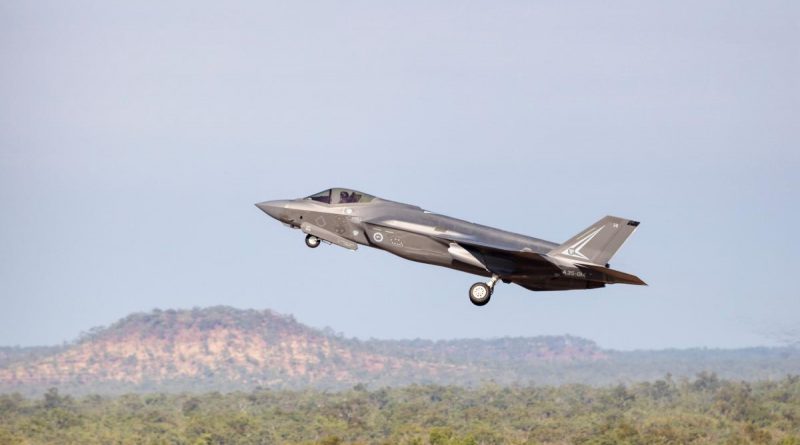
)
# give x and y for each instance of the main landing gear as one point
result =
(481, 293)
(312, 241)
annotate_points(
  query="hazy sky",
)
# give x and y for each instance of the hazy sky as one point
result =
(136, 136)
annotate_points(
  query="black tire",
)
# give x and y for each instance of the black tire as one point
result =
(480, 294)
(312, 241)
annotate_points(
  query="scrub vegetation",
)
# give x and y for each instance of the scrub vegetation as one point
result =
(702, 410)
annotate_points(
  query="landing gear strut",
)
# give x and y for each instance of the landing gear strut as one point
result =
(312, 241)
(481, 293)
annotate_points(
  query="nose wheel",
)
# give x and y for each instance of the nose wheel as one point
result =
(481, 293)
(312, 241)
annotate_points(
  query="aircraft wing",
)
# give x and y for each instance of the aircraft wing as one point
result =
(509, 263)
(503, 262)
(516, 265)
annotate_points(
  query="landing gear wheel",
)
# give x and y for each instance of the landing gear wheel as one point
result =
(312, 241)
(480, 293)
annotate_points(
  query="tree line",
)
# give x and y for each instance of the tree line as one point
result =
(702, 410)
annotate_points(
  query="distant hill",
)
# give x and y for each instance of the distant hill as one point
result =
(222, 348)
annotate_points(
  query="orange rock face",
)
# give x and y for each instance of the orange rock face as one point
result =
(262, 348)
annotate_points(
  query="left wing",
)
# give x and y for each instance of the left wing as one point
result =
(513, 265)
(510, 263)
(503, 262)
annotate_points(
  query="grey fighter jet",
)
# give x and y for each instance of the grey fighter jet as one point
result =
(348, 218)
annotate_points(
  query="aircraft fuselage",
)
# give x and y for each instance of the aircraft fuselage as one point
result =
(408, 231)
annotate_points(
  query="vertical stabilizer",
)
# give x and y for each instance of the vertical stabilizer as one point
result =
(598, 243)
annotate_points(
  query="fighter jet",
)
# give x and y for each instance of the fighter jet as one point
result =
(349, 218)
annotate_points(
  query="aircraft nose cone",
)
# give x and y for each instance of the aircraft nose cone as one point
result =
(273, 208)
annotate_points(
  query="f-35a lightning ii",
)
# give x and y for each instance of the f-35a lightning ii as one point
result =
(348, 218)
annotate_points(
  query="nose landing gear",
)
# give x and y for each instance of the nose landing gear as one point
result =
(481, 293)
(312, 241)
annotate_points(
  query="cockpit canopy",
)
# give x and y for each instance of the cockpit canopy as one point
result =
(341, 196)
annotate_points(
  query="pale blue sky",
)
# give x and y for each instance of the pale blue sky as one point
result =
(136, 136)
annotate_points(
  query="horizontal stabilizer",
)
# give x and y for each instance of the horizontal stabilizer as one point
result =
(613, 276)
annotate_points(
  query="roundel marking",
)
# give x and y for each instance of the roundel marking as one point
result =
(378, 237)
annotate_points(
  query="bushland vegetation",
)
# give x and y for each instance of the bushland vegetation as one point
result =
(701, 410)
